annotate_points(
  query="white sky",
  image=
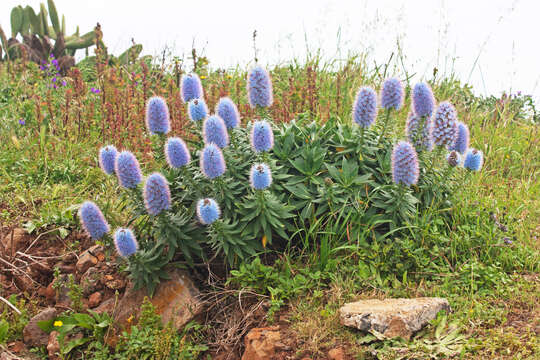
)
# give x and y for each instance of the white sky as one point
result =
(501, 34)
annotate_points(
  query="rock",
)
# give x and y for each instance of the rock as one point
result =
(106, 306)
(176, 300)
(392, 317)
(6, 356)
(89, 258)
(261, 343)
(336, 354)
(13, 241)
(32, 334)
(91, 281)
(94, 300)
(53, 347)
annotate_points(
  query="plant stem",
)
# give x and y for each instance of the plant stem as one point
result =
(385, 124)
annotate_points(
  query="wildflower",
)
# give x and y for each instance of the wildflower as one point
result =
(212, 162)
(58, 323)
(207, 211)
(445, 129)
(422, 141)
(474, 160)
(157, 116)
(157, 196)
(22, 122)
(215, 131)
(260, 176)
(191, 87)
(95, 91)
(64, 83)
(127, 170)
(177, 153)
(228, 111)
(125, 242)
(453, 158)
(404, 164)
(423, 100)
(197, 110)
(107, 158)
(392, 94)
(259, 87)
(365, 107)
(262, 136)
(462, 142)
(93, 221)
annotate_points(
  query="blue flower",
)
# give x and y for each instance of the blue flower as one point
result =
(93, 221)
(177, 153)
(125, 242)
(405, 164)
(212, 162)
(157, 116)
(215, 131)
(127, 170)
(473, 160)
(197, 110)
(423, 100)
(191, 88)
(207, 211)
(423, 141)
(392, 94)
(365, 107)
(259, 87)
(107, 159)
(453, 158)
(445, 129)
(462, 142)
(22, 122)
(262, 136)
(228, 111)
(157, 196)
(260, 176)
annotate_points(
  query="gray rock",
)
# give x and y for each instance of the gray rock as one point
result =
(89, 258)
(32, 334)
(392, 317)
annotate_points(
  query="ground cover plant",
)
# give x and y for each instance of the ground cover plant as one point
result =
(336, 207)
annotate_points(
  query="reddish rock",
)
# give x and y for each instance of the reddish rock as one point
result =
(13, 241)
(53, 347)
(336, 354)
(86, 261)
(106, 307)
(176, 300)
(262, 343)
(94, 300)
(32, 334)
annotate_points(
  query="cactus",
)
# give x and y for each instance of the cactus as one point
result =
(16, 20)
(32, 19)
(53, 14)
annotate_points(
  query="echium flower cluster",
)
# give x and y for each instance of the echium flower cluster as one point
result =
(445, 128)
(421, 140)
(405, 167)
(365, 107)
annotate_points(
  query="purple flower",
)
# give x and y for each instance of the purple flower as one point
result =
(157, 196)
(95, 91)
(365, 107)
(473, 160)
(392, 94)
(423, 141)
(197, 110)
(125, 242)
(191, 87)
(212, 162)
(462, 142)
(93, 221)
(260, 176)
(215, 131)
(423, 100)
(157, 116)
(54, 79)
(207, 211)
(64, 83)
(177, 152)
(127, 170)
(259, 86)
(405, 164)
(22, 122)
(107, 159)
(445, 128)
(228, 111)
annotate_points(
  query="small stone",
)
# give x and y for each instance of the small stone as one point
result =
(262, 343)
(53, 347)
(32, 334)
(176, 300)
(13, 241)
(336, 354)
(94, 300)
(89, 258)
(91, 281)
(116, 284)
(392, 317)
(106, 307)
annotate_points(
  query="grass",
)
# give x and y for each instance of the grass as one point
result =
(49, 164)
